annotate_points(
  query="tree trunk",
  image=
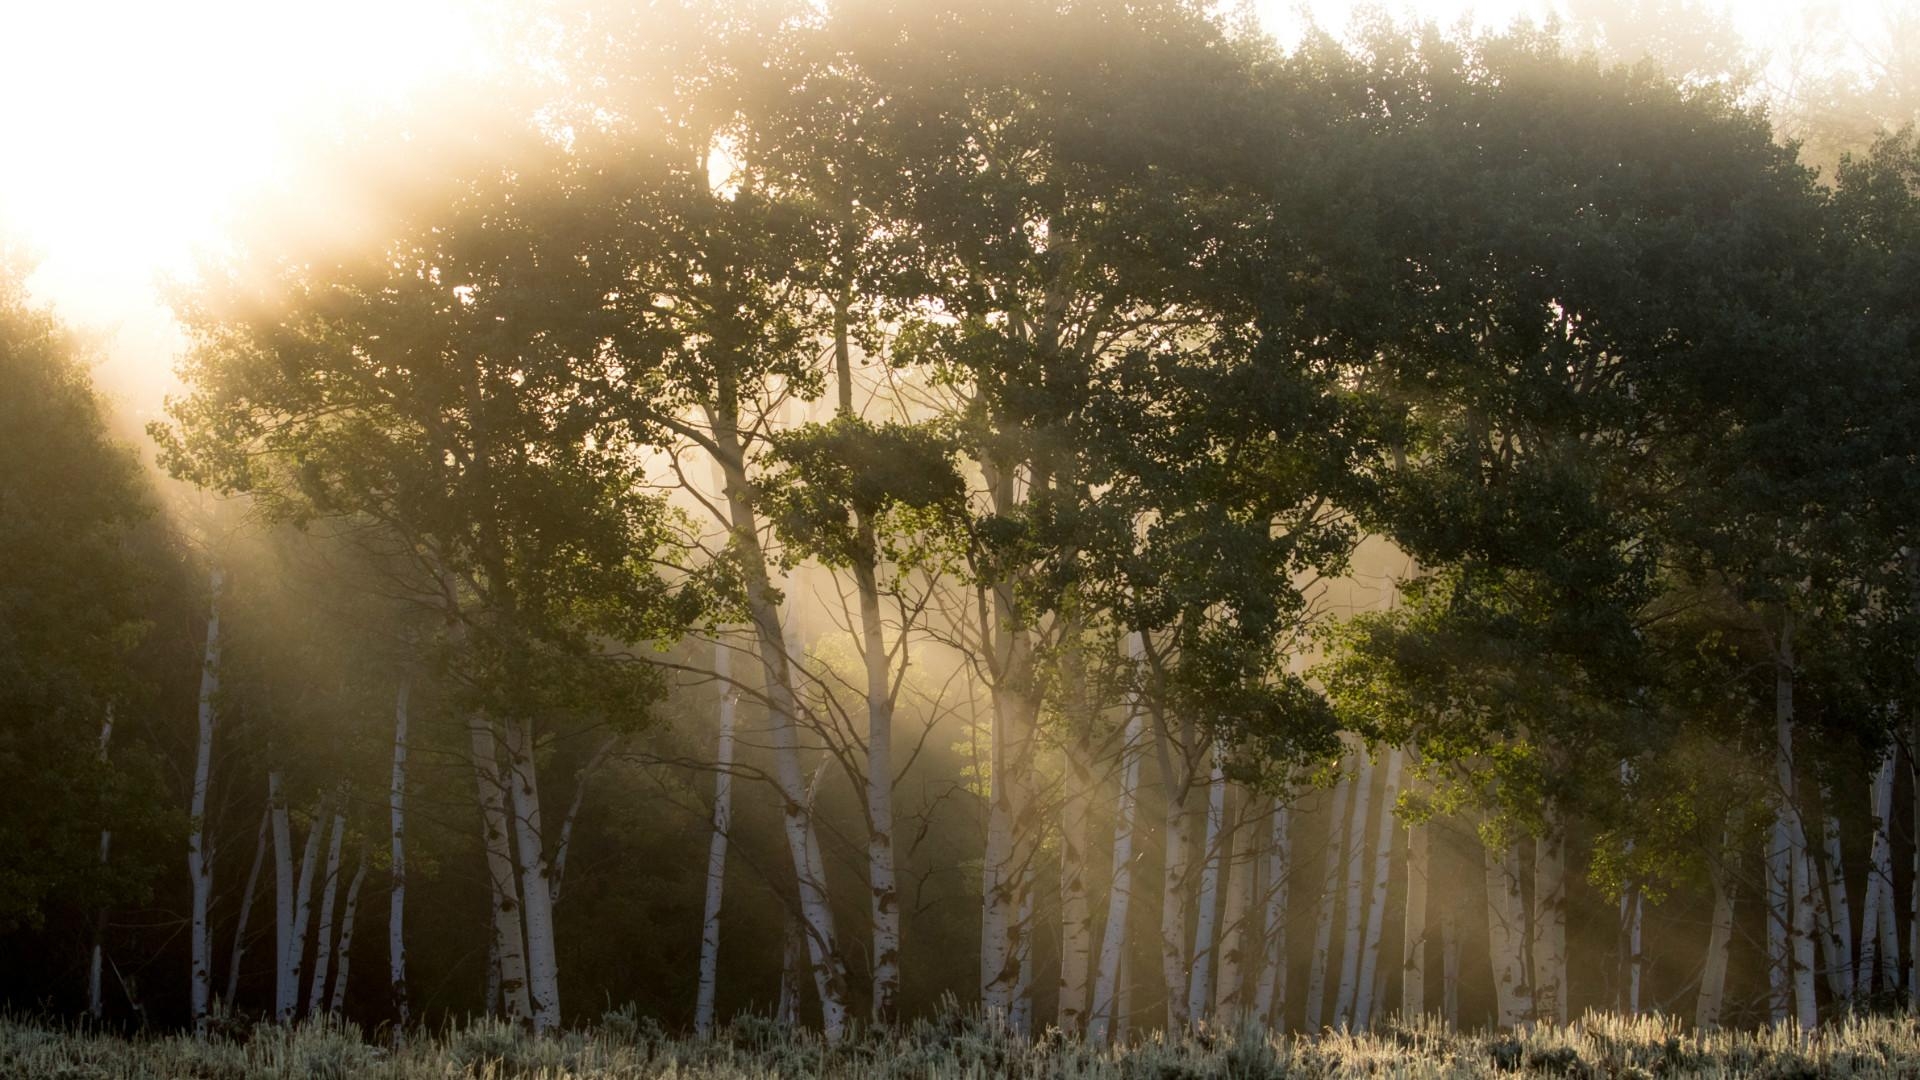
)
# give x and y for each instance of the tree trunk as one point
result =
(286, 992)
(1200, 975)
(1413, 949)
(1329, 899)
(1377, 905)
(345, 952)
(246, 908)
(1356, 874)
(1879, 937)
(1450, 961)
(1507, 937)
(829, 971)
(303, 908)
(199, 853)
(1103, 1022)
(1270, 1000)
(508, 936)
(1632, 919)
(1550, 920)
(536, 879)
(1173, 902)
(329, 889)
(1076, 906)
(1779, 978)
(96, 1005)
(787, 1012)
(1236, 930)
(397, 896)
(1800, 930)
(703, 1010)
(1713, 976)
(1836, 909)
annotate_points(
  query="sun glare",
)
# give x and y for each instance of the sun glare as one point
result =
(130, 130)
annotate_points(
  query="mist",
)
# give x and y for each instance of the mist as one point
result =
(1060, 524)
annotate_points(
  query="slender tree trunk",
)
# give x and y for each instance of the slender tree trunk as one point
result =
(1377, 904)
(1779, 978)
(1076, 906)
(1356, 874)
(536, 879)
(1632, 920)
(1837, 908)
(286, 992)
(1879, 936)
(293, 964)
(1550, 920)
(494, 981)
(884, 891)
(559, 862)
(787, 1012)
(329, 889)
(703, 1010)
(1507, 937)
(1328, 900)
(1236, 933)
(246, 908)
(1801, 929)
(1104, 1020)
(1270, 999)
(397, 873)
(1173, 902)
(345, 952)
(1200, 975)
(829, 971)
(1450, 961)
(1413, 963)
(96, 1005)
(1713, 976)
(508, 936)
(199, 853)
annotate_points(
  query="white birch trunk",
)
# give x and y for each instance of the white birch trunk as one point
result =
(1356, 873)
(285, 991)
(199, 855)
(1800, 931)
(1236, 923)
(329, 889)
(96, 1003)
(1879, 938)
(1328, 900)
(295, 960)
(829, 971)
(1550, 920)
(1270, 998)
(1713, 975)
(509, 939)
(1102, 1023)
(703, 1011)
(1200, 975)
(1450, 962)
(536, 890)
(397, 874)
(1836, 909)
(1632, 920)
(1173, 906)
(1413, 949)
(787, 1012)
(1507, 937)
(1076, 906)
(1779, 901)
(344, 953)
(1370, 970)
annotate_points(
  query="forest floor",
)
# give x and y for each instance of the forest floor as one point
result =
(953, 1046)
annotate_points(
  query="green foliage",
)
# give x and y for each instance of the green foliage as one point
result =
(823, 477)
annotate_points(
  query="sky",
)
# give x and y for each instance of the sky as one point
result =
(132, 130)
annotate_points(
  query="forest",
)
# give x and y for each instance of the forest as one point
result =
(1067, 514)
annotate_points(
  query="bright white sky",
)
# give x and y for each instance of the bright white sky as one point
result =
(129, 128)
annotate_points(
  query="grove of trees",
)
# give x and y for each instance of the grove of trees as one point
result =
(1061, 507)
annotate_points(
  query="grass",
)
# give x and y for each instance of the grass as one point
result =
(955, 1045)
